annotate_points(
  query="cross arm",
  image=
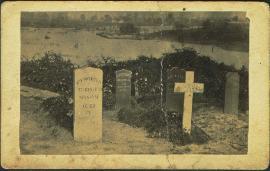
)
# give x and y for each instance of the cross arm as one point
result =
(189, 87)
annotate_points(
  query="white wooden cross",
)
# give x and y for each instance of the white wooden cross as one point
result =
(189, 87)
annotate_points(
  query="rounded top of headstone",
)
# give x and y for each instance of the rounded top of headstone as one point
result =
(176, 69)
(232, 74)
(86, 68)
(125, 71)
(176, 74)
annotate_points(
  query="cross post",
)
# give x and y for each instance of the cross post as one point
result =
(188, 88)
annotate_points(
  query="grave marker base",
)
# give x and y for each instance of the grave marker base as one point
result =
(178, 136)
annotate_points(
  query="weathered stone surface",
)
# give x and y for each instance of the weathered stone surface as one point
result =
(174, 101)
(231, 101)
(88, 104)
(123, 88)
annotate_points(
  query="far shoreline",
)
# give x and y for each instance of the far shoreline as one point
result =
(233, 46)
(74, 44)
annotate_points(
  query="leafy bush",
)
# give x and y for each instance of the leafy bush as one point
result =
(163, 124)
(131, 116)
(146, 72)
(154, 122)
(206, 70)
(61, 109)
(50, 72)
(128, 28)
(108, 98)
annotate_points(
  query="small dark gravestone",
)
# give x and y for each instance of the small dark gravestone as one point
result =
(174, 101)
(231, 93)
(123, 88)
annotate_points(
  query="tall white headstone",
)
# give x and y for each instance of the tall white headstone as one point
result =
(88, 104)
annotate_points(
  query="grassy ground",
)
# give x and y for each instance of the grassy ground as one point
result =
(39, 133)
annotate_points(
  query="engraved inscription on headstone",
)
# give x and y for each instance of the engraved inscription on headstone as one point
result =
(174, 101)
(123, 88)
(88, 104)
(231, 93)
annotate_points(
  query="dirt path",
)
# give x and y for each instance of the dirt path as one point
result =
(40, 135)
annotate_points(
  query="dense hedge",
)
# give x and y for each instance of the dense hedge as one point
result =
(50, 72)
(53, 72)
(146, 73)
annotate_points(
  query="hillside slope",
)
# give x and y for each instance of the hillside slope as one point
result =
(40, 134)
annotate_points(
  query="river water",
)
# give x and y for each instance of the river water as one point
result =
(82, 45)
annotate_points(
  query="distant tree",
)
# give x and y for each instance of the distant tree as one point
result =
(27, 19)
(82, 20)
(235, 18)
(94, 19)
(170, 19)
(178, 25)
(107, 19)
(117, 19)
(209, 30)
(102, 19)
(158, 21)
(60, 20)
(127, 28)
(135, 17)
(82, 17)
(41, 19)
(126, 18)
(222, 30)
(206, 24)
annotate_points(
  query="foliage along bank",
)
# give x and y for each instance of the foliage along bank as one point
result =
(52, 72)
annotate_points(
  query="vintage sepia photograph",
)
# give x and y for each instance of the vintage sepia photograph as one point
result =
(134, 82)
(134, 85)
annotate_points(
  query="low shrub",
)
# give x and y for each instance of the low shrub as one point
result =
(162, 124)
(61, 109)
(131, 116)
(154, 122)
(108, 98)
